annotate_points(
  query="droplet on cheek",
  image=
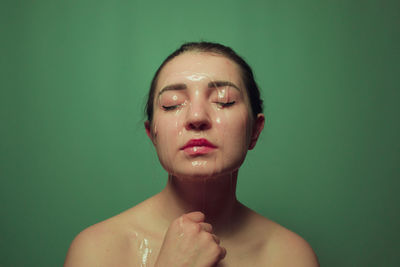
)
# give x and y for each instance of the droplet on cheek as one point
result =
(178, 118)
(177, 111)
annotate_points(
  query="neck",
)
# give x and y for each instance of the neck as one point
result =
(215, 197)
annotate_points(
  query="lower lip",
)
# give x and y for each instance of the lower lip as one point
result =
(198, 150)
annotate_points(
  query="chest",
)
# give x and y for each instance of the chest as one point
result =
(143, 250)
(241, 255)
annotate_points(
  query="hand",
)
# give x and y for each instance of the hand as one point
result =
(189, 241)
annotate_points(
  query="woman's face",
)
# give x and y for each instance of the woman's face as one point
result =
(202, 122)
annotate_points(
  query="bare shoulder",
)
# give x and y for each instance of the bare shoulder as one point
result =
(280, 246)
(84, 248)
(286, 248)
(116, 241)
(96, 244)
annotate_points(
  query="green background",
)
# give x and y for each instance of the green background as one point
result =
(74, 78)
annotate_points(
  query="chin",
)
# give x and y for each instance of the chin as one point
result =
(202, 171)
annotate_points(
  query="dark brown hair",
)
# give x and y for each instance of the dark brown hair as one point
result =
(246, 73)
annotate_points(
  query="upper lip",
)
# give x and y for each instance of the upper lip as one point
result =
(198, 142)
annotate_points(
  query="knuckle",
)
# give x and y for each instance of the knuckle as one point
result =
(207, 238)
(208, 227)
(193, 227)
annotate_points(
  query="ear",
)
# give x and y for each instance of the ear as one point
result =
(257, 128)
(147, 126)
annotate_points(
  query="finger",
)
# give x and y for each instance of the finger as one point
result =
(195, 216)
(216, 239)
(223, 253)
(206, 227)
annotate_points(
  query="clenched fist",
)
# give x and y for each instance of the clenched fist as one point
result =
(189, 241)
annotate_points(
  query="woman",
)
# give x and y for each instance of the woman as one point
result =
(204, 114)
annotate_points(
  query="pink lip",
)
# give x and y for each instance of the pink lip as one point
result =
(198, 147)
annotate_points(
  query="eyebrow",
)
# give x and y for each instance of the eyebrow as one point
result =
(173, 87)
(217, 84)
(182, 86)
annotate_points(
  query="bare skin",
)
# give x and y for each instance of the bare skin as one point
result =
(135, 237)
(196, 220)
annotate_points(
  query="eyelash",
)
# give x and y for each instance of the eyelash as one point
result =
(225, 105)
(168, 108)
(221, 104)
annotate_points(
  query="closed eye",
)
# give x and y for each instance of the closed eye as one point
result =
(225, 104)
(168, 108)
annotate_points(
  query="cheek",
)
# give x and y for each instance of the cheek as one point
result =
(160, 131)
(163, 131)
(166, 133)
(235, 129)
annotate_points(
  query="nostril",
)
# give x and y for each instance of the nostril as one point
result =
(197, 119)
(199, 126)
(203, 127)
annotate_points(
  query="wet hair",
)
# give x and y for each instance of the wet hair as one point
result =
(252, 89)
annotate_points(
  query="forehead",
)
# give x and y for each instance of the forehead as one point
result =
(197, 66)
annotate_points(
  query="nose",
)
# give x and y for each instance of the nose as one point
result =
(197, 118)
